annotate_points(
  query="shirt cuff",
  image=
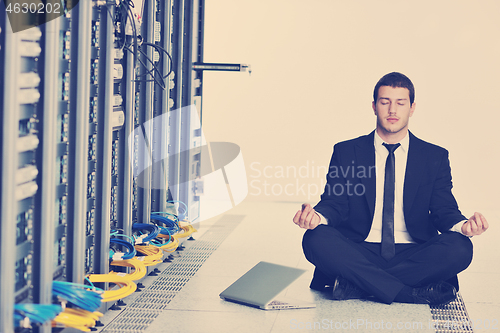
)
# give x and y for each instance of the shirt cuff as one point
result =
(322, 219)
(458, 227)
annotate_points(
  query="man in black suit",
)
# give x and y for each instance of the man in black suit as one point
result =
(387, 225)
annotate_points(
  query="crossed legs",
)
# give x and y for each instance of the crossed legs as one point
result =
(414, 265)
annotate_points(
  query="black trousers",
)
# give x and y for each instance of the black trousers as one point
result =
(439, 259)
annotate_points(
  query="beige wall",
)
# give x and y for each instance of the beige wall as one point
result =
(314, 66)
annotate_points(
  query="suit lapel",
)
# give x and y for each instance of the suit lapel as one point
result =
(365, 155)
(414, 167)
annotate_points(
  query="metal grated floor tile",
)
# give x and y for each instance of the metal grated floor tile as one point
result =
(140, 314)
(154, 299)
(452, 317)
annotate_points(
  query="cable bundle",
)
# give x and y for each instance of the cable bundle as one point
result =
(165, 233)
(171, 246)
(181, 229)
(126, 285)
(171, 227)
(159, 78)
(78, 295)
(77, 318)
(152, 255)
(183, 213)
(122, 256)
(139, 272)
(168, 222)
(187, 229)
(37, 314)
(153, 232)
(168, 226)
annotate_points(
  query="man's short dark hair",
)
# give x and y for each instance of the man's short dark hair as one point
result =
(395, 80)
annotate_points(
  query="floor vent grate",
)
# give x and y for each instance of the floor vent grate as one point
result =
(154, 299)
(452, 317)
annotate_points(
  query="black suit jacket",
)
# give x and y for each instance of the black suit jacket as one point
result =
(348, 202)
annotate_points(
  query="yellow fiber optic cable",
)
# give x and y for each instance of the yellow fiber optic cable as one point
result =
(171, 246)
(84, 313)
(76, 318)
(84, 319)
(153, 254)
(139, 272)
(126, 285)
(187, 228)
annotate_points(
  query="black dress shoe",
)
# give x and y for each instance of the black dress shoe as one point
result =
(434, 294)
(320, 281)
(344, 289)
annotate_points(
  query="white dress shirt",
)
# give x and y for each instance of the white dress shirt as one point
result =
(401, 234)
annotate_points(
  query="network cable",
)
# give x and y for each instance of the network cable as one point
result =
(21, 320)
(78, 295)
(77, 318)
(115, 232)
(153, 231)
(182, 215)
(172, 225)
(176, 219)
(187, 229)
(139, 267)
(152, 255)
(37, 314)
(159, 80)
(158, 47)
(165, 233)
(170, 246)
(126, 286)
(118, 255)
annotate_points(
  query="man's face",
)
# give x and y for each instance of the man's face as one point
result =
(393, 109)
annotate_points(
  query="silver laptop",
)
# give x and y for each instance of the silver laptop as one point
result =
(259, 287)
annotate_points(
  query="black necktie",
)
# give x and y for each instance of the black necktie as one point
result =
(387, 245)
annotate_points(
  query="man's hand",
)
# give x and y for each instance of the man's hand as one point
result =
(306, 218)
(475, 226)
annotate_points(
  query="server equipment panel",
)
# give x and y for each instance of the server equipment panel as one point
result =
(73, 90)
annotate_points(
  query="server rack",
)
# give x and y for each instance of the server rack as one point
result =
(72, 93)
(163, 102)
(8, 55)
(80, 187)
(186, 135)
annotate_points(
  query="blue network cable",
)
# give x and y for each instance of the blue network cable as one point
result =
(165, 231)
(167, 213)
(113, 232)
(153, 230)
(18, 318)
(156, 242)
(123, 235)
(131, 252)
(38, 314)
(182, 215)
(77, 295)
(170, 224)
